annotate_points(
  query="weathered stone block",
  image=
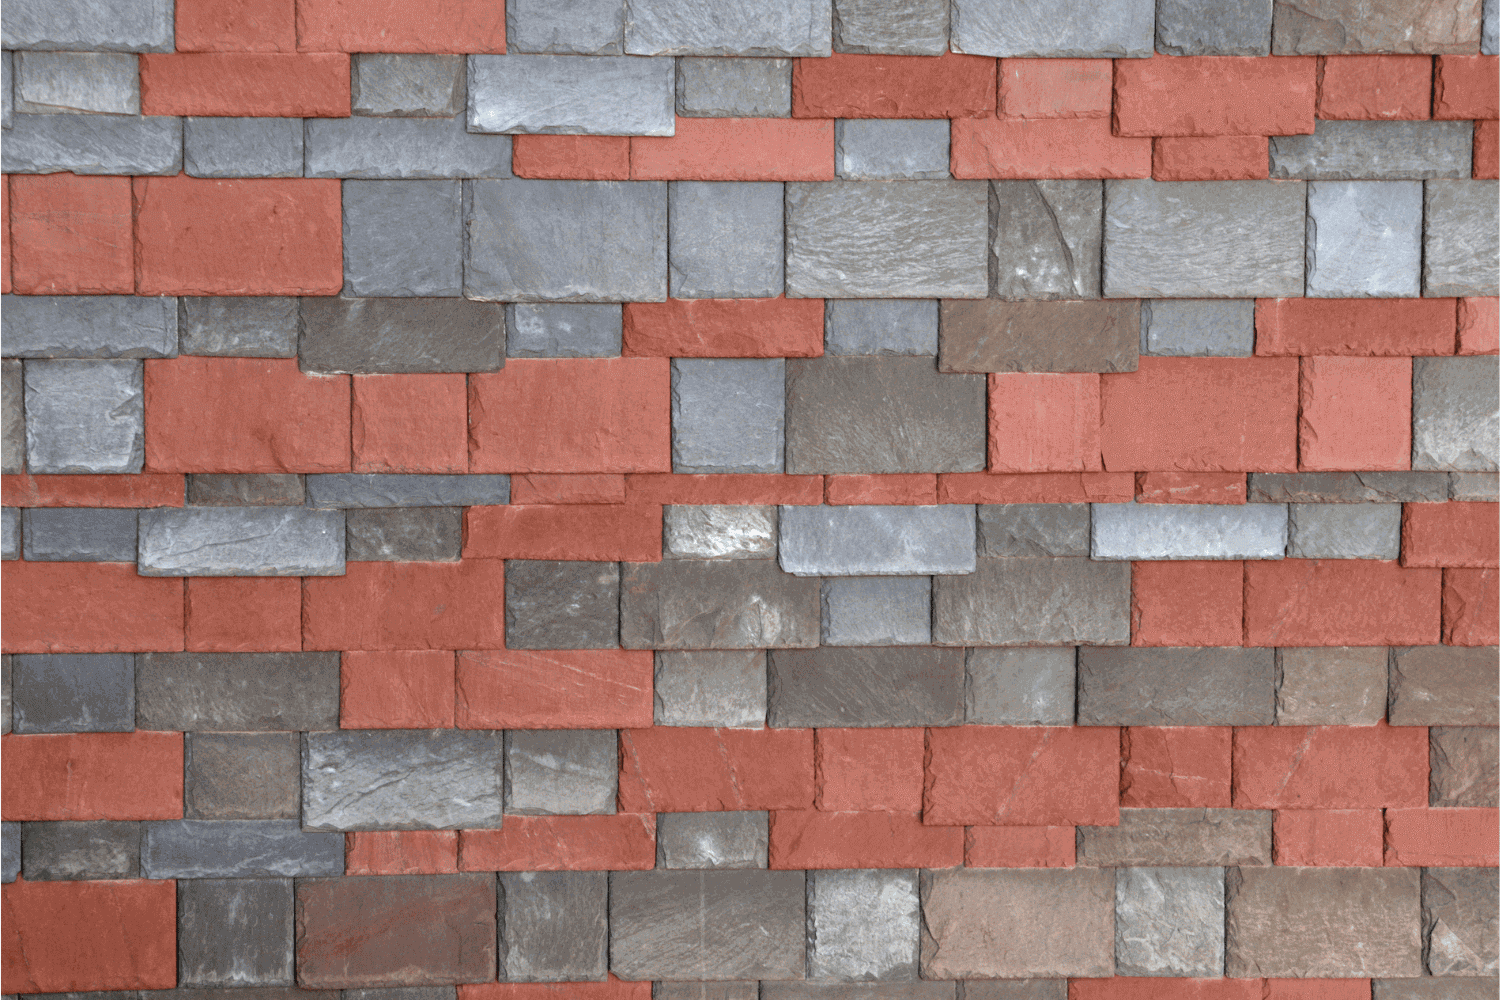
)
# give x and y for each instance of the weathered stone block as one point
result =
(876, 540)
(252, 490)
(551, 94)
(1033, 602)
(734, 88)
(992, 335)
(881, 326)
(1330, 685)
(1034, 529)
(1464, 761)
(386, 85)
(1375, 151)
(1460, 921)
(90, 326)
(1455, 416)
(563, 330)
(237, 692)
(1169, 922)
(718, 532)
(1148, 837)
(93, 144)
(1073, 29)
(572, 772)
(727, 240)
(402, 780)
(1461, 246)
(1209, 28)
(715, 604)
(871, 149)
(904, 27)
(239, 327)
(71, 25)
(1189, 531)
(406, 534)
(241, 541)
(388, 336)
(1346, 487)
(1432, 988)
(235, 932)
(10, 866)
(1045, 239)
(343, 490)
(5, 713)
(1344, 531)
(1020, 687)
(1217, 328)
(711, 688)
(1015, 989)
(403, 238)
(562, 605)
(403, 148)
(863, 925)
(861, 687)
(6, 90)
(10, 537)
(887, 991)
(553, 927)
(711, 840)
(98, 850)
(242, 147)
(1210, 686)
(1444, 686)
(728, 415)
(592, 28)
(191, 849)
(242, 776)
(79, 534)
(1489, 42)
(1364, 239)
(1481, 487)
(1319, 27)
(12, 422)
(877, 611)
(73, 692)
(711, 28)
(84, 416)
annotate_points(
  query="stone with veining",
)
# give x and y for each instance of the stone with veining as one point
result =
(874, 540)
(277, 489)
(718, 532)
(1169, 922)
(1346, 487)
(734, 88)
(1045, 239)
(1345, 27)
(403, 149)
(402, 780)
(1464, 761)
(571, 95)
(561, 772)
(726, 240)
(1214, 328)
(1455, 414)
(1209, 686)
(84, 416)
(235, 932)
(73, 692)
(12, 430)
(237, 692)
(106, 83)
(1072, 29)
(553, 927)
(711, 840)
(1461, 250)
(79, 534)
(704, 687)
(1034, 530)
(1459, 915)
(891, 27)
(563, 330)
(1033, 602)
(403, 238)
(243, 541)
(1330, 685)
(394, 336)
(562, 605)
(1344, 531)
(242, 776)
(718, 28)
(1150, 837)
(89, 25)
(66, 851)
(872, 149)
(880, 686)
(994, 335)
(239, 326)
(728, 414)
(881, 326)
(1375, 150)
(405, 534)
(242, 147)
(590, 28)
(1364, 239)
(863, 924)
(1444, 686)
(1020, 687)
(1213, 27)
(191, 848)
(716, 604)
(1189, 531)
(335, 490)
(92, 144)
(877, 611)
(391, 85)
(90, 326)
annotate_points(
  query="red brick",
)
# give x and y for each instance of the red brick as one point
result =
(1442, 838)
(623, 842)
(1190, 487)
(1140, 988)
(236, 26)
(671, 769)
(725, 489)
(244, 415)
(1186, 602)
(736, 149)
(238, 237)
(64, 936)
(244, 614)
(1478, 326)
(1330, 767)
(414, 605)
(1464, 87)
(1022, 776)
(82, 607)
(1487, 149)
(571, 157)
(1340, 602)
(401, 852)
(1216, 95)
(861, 840)
(1177, 768)
(1450, 534)
(399, 689)
(1359, 327)
(542, 488)
(612, 989)
(1338, 838)
(1471, 607)
(248, 84)
(1020, 847)
(1316, 989)
(869, 770)
(1210, 158)
(94, 491)
(1045, 148)
(724, 328)
(442, 26)
(410, 423)
(884, 86)
(1056, 88)
(1047, 487)
(563, 689)
(1044, 423)
(580, 415)
(1356, 414)
(610, 532)
(82, 776)
(1243, 412)
(1366, 88)
(901, 490)
(71, 235)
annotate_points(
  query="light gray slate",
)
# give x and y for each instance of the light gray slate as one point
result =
(877, 611)
(875, 149)
(864, 687)
(716, 28)
(1364, 239)
(10, 534)
(881, 326)
(1331, 685)
(863, 924)
(709, 531)
(894, 239)
(978, 989)
(1344, 531)
(84, 416)
(1036, 530)
(79, 534)
(1375, 150)
(106, 83)
(563, 330)
(571, 95)
(728, 415)
(344, 489)
(237, 692)
(1169, 922)
(1074, 29)
(1176, 686)
(73, 692)
(260, 326)
(90, 326)
(1204, 328)
(877, 540)
(1203, 239)
(235, 932)
(1213, 27)
(1461, 251)
(92, 144)
(1020, 687)
(711, 840)
(704, 687)
(1489, 40)
(394, 779)
(891, 27)
(552, 772)
(242, 147)
(390, 85)
(1178, 837)
(67, 851)
(567, 241)
(191, 848)
(1455, 404)
(1033, 602)
(6, 90)
(1347, 487)
(727, 240)
(13, 421)
(84, 25)
(734, 88)
(403, 238)
(402, 149)
(241, 541)
(1483, 487)
(715, 604)
(586, 28)
(1189, 531)
(11, 864)
(395, 336)
(554, 927)
(1045, 239)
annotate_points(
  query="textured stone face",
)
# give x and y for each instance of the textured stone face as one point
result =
(242, 147)
(903, 27)
(728, 414)
(403, 238)
(1029, 336)
(1178, 837)
(874, 540)
(12, 851)
(594, 28)
(1459, 919)
(562, 331)
(863, 925)
(132, 26)
(100, 850)
(401, 780)
(1375, 150)
(710, 604)
(550, 94)
(1072, 29)
(711, 840)
(1459, 255)
(90, 326)
(1169, 922)
(84, 416)
(1189, 531)
(237, 692)
(881, 326)
(876, 686)
(405, 534)
(1045, 240)
(192, 849)
(1344, 531)
(1020, 687)
(1198, 328)
(241, 541)
(242, 776)
(562, 605)
(734, 88)
(408, 86)
(1033, 602)
(715, 28)
(345, 490)
(877, 611)
(719, 532)
(251, 490)
(1455, 416)
(95, 144)
(63, 534)
(1464, 761)
(1444, 686)
(571, 772)
(711, 688)
(1034, 530)
(713, 991)
(12, 423)
(891, 150)
(73, 693)
(1364, 239)
(1346, 487)
(399, 148)
(553, 926)
(1317, 27)
(1213, 27)
(1211, 686)
(1480, 487)
(10, 541)
(1330, 685)
(234, 932)
(239, 327)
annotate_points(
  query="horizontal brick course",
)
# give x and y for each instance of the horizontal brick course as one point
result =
(242, 83)
(737, 149)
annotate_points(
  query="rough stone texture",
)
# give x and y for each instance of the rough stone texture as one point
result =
(10, 540)
(1072, 29)
(90, 326)
(408, 86)
(73, 692)
(1464, 761)
(406, 534)
(1455, 416)
(242, 147)
(403, 238)
(237, 692)
(718, 532)
(234, 932)
(403, 148)
(1317, 27)
(902, 27)
(570, 772)
(84, 416)
(401, 780)
(190, 849)
(711, 688)
(698, 28)
(1375, 150)
(242, 776)
(1210, 686)
(252, 490)
(355, 490)
(711, 840)
(1482, 487)
(13, 421)
(1331, 685)
(11, 864)
(1169, 922)
(1147, 837)
(553, 927)
(79, 534)
(727, 240)
(1034, 529)
(131, 26)
(572, 241)
(902, 239)
(1015, 989)
(1462, 238)
(887, 991)
(1444, 686)
(1364, 239)
(1460, 922)
(872, 149)
(863, 687)
(709, 991)
(1045, 239)
(241, 541)
(389, 336)
(77, 83)
(707, 925)
(1344, 531)
(1203, 239)
(1213, 27)
(1322, 922)
(563, 331)
(239, 327)
(6, 102)
(875, 540)
(65, 851)
(714, 604)
(551, 94)
(877, 611)
(1033, 602)
(92, 144)
(863, 925)
(1215, 328)
(993, 335)
(562, 605)
(594, 28)
(876, 415)
(1189, 531)
(881, 326)
(1444, 988)
(1020, 687)
(728, 415)
(734, 88)
(1346, 487)
(1489, 42)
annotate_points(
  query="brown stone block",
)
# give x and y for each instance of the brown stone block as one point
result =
(992, 335)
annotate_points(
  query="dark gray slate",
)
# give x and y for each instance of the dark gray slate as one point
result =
(572, 95)
(242, 776)
(711, 840)
(715, 604)
(1150, 837)
(347, 490)
(978, 989)
(79, 534)
(237, 692)
(239, 326)
(402, 779)
(85, 416)
(241, 541)
(1433, 988)
(1221, 328)
(563, 330)
(734, 88)
(73, 693)
(1377, 151)
(881, 686)
(391, 336)
(891, 150)
(94, 850)
(1455, 414)
(386, 993)
(1033, 602)
(242, 147)
(712, 28)
(554, 927)
(237, 848)
(1441, 686)
(710, 688)
(5, 685)
(245, 490)
(571, 772)
(1210, 686)
(403, 238)
(1020, 687)
(881, 326)
(90, 326)
(388, 85)
(562, 605)
(1045, 239)
(10, 534)
(92, 144)
(891, 27)
(406, 534)
(992, 335)
(1344, 531)
(122, 26)
(10, 835)
(1075, 29)
(591, 28)
(234, 932)
(403, 149)
(1465, 766)
(1461, 238)
(1213, 27)
(1459, 917)
(877, 611)
(13, 424)
(1035, 530)
(1483, 487)
(1347, 487)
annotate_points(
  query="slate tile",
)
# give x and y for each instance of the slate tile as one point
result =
(553, 927)
(405, 534)
(1461, 239)
(1216, 328)
(863, 925)
(355, 490)
(1151, 837)
(561, 772)
(1464, 761)
(1344, 531)
(727, 240)
(390, 336)
(1364, 239)
(393, 779)
(563, 330)
(12, 852)
(728, 415)
(1459, 919)
(1345, 487)
(73, 692)
(877, 611)
(713, 28)
(714, 531)
(711, 688)
(90, 326)
(10, 534)
(240, 776)
(13, 423)
(716, 604)
(873, 149)
(1210, 686)
(93, 144)
(1330, 685)
(1375, 151)
(1033, 602)
(1020, 687)
(1188, 531)
(1045, 239)
(237, 692)
(234, 932)
(992, 335)
(883, 27)
(711, 839)
(877, 540)
(572, 95)
(403, 148)
(1482, 487)
(241, 541)
(1455, 419)
(92, 850)
(129, 26)
(734, 88)
(239, 327)
(237, 848)
(240, 490)
(1314, 27)
(84, 416)
(881, 326)
(1213, 27)
(242, 147)
(1034, 530)
(871, 686)
(562, 605)
(1444, 686)
(403, 238)
(1072, 29)
(79, 534)
(388, 85)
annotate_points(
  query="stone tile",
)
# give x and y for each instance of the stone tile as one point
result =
(73, 692)
(401, 780)
(237, 848)
(903, 27)
(1330, 685)
(711, 840)
(98, 850)
(1455, 417)
(84, 416)
(10, 536)
(235, 932)
(403, 149)
(1020, 687)
(237, 692)
(241, 541)
(406, 534)
(876, 540)
(734, 88)
(1443, 686)
(1459, 919)
(1375, 151)
(128, 26)
(13, 424)
(5, 689)
(392, 336)
(239, 327)
(1211, 686)
(11, 864)
(90, 326)
(79, 534)
(592, 28)
(1213, 27)
(1214, 328)
(1346, 487)
(718, 532)
(727, 240)
(1033, 602)
(403, 238)
(728, 415)
(403, 993)
(871, 149)
(570, 772)
(1464, 761)
(881, 326)
(1344, 531)
(1189, 531)
(1489, 42)
(992, 335)
(711, 688)
(1072, 29)
(242, 776)
(1016, 989)
(245, 490)
(1169, 922)
(558, 94)
(1364, 239)
(6, 90)
(865, 687)
(1148, 837)
(1433, 988)
(553, 927)
(562, 605)
(714, 28)
(877, 611)
(387, 85)
(345, 490)
(716, 604)
(1045, 239)
(1318, 27)
(863, 925)
(92, 144)
(894, 991)
(1035, 530)
(563, 330)
(1483, 487)
(242, 147)
(1461, 245)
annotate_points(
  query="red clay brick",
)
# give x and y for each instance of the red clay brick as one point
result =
(1367, 88)
(1044, 423)
(1134, 988)
(1358, 327)
(736, 149)
(82, 776)
(1190, 487)
(808, 839)
(441, 26)
(1330, 767)
(1316, 989)
(1243, 412)
(248, 84)
(1450, 534)
(571, 157)
(401, 852)
(1442, 838)
(611, 989)
(580, 415)
(1186, 602)
(148, 490)
(1210, 158)
(82, 607)
(1338, 838)
(1177, 768)
(1478, 326)
(236, 26)
(381, 605)
(563, 689)
(410, 423)
(260, 236)
(1464, 87)
(1356, 414)
(65, 936)
(884, 86)
(1471, 607)
(1216, 95)
(542, 488)
(1487, 149)
(71, 235)
(1047, 487)
(1340, 602)
(244, 415)
(724, 489)
(1020, 847)
(623, 842)
(1022, 776)
(1056, 88)
(1045, 148)
(398, 689)
(724, 328)
(610, 532)
(869, 770)
(672, 769)
(902, 489)
(244, 614)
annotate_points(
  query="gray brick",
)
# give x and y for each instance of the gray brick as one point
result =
(70, 851)
(1178, 837)
(892, 149)
(1015, 989)
(877, 611)
(1433, 988)
(79, 534)
(13, 422)
(239, 327)
(1444, 686)
(881, 326)
(391, 993)
(93, 144)
(81, 25)
(1203, 239)
(563, 330)
(1169, 922)
(708, 991)
(977, 989)
(242, 776)
(728, 415)
(1489, 42)
(711, 840)
(360, 490)
(863, 925)
(719, 532)
(1020, 687)
(90, 326)
(1455, 416)
(715, 28)
(1213, 27)
(234, 932)
(388, 779)
(902, 27)
(246, 490)
(403, 238)
(406, 534)
(1189, 531)
(875, 540)
(1344, 531)
(1213, 328)
(1464, 761)
(992, 335)
(241, 541)
(386, 85)
(715, 604)
(734, 88)
(1375, 150)
(1364, 239)
(879, 686)
(1328, 27)
(1033, 602)
(1459, 921)
(1035, 530)
(873, 415)
(707, 925)
(73, 692)
(6, 102)
(1482, 487)
(1211, 686)
(899, 239)
(1346, 487)
(562, 605)
(399, 336)
(561, 772)
(1045, 239)
(84, 416)
(571, 95)
(590, 28)
(237, 692)
(554, 927)
(11, 864)
(403, 149)
(1330, 685)
(1461, 248)
(237, 848)
(727, 240)
(1076, 29)
(572, 241)
(242, 147)
(10, 536)
(711, 688)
